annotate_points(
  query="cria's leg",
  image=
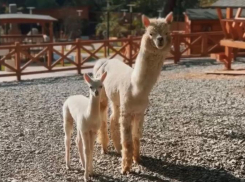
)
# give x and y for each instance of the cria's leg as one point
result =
(86, 151)
(103, 137)
(68, 127)
(137, 134)
(80, 148)
(92, 139)
(115, 128)
(126, 140)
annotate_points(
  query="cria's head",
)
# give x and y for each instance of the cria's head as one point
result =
(158, 30)
(95, 84)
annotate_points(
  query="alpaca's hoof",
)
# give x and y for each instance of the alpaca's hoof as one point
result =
(104, 151)
(86, 177)
(68, 167)
(125, 170)
(91, 173)
(136, 160)
(81, 164)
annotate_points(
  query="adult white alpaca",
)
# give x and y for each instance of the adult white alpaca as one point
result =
(128, 89)
(86, 113)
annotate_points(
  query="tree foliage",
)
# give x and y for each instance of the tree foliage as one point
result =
(116, 30)
(41, 3)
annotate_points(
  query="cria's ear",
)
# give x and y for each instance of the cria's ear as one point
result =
(103, 77)
(169, 18)
(145, 21)
(87, 78)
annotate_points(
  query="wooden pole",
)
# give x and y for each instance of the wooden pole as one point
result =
(43, 28)
(50, 57)
(219, 12)
(78, 60)
(177, 48)
(229, 15)
(130, 39)
(63, 53)
(204, 45)
(17, 59)
(51, 35)
(228, 51)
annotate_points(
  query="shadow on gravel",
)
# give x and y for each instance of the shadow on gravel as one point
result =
(191, 63)
(184, 173)
(104, 178)
(40, 81)
(198, 62)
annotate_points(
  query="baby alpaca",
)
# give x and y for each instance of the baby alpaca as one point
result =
(86, 113)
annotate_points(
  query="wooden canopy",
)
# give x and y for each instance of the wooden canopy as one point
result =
(229, 4)
(25, 18)
(29, 18)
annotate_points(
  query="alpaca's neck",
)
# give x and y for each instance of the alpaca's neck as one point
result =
(147, 69)
(94, 105)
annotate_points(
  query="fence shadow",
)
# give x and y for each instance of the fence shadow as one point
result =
(187, 63)
(184, 172)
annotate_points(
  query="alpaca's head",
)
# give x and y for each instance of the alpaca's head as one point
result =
(95, 84)
(158, 31)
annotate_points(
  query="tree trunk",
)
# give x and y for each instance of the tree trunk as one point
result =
(169, 6)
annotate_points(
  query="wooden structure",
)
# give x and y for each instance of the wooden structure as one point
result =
(233, 28)
(61, 13)
(202, 20)
(43, 20)
(79, 56)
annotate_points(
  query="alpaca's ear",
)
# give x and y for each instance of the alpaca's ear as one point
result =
(145, 21)
(169, 18)
(103, 77)
(87, 78)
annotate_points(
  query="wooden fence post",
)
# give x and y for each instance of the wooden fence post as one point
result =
(105, 48)
(78, 60)
(17, 59)
(63, 53)
(204, 45)
(130, 50)
(50, 57)
(228, 51)
(177, 53)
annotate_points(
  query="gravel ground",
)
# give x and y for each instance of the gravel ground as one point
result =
(193, 130)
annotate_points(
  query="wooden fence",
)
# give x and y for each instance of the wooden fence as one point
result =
(25, 39)
(64, 56)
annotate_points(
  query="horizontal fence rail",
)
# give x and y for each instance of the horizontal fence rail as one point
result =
(24, 39)
(18, 59)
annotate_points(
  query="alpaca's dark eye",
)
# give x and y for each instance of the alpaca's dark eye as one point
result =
(101, 86)
(91, 87)
(150, 34)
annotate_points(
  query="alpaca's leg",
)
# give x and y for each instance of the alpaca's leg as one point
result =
(68, 127)
(80, 148)
(137, 134)
(103, 137)
(126, 140)
(115, 128)
(86, 151)
(92, 140)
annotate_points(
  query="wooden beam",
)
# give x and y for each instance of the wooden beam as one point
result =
(232, 43)
(219, 12)
(229, 15)
(238, 13)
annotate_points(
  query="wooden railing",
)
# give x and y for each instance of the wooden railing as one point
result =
(11, 39)
(64, 56)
